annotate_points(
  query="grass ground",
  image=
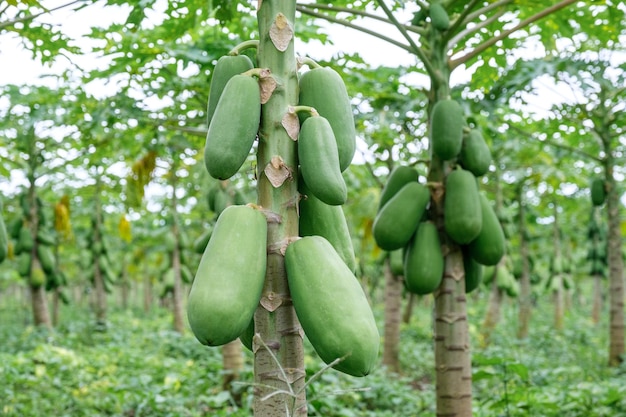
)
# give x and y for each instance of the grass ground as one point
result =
(139, 367)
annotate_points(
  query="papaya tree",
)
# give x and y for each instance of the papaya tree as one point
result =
(593, 112)
(438, 36)
(31, 137)
(601, 114)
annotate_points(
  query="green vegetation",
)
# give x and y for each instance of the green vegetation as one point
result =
(142, 368)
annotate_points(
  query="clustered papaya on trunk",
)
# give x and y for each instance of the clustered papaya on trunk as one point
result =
(268, 267)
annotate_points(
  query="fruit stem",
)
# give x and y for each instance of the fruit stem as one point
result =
(297, 109)
(308, 62)
(252, 43)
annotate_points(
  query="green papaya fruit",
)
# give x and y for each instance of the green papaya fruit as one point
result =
(24, 264)
(447, 124)
(46, 238)
(598, 191)
(228, 283)
(64, 298)
(15, 226)
(473, 273)
(513, 289)
(475, 155)
(210, 197)
(503, 277)
(324, 90)
(424, 262)
(25, 241)
(396, 222)
(46, 258)
(4, 240)
(488, 247)
(568, 282)
(396, 262)
(185, 274)
(52, 281)
(239, 198)
(439, 17)
(222, 200)
(462, 209)
(321, 219)
(319, 163)
(247, 336)
(37, 277)
(226, 67)
(398, 178)
(233, 128)
(200, 243)
(331, 306)
(489, 272)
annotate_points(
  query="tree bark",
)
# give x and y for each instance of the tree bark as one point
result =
(393, 318)
(493, 314)
(232, 361)
(55, 307)
(41, 315)
(408, 308)
(147, 292)
(278, 332)
(616, 268)
(451, 335)
(452, 347)
(557, 274)
(177, 293)
(99, 284)
(596, 308)
(525, 295)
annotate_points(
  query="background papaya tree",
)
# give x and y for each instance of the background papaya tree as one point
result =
(591, 110)
(36, 148)
(598, 114)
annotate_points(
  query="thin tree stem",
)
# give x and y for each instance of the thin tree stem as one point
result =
(453, 63)
(308, 11)
(34, 16)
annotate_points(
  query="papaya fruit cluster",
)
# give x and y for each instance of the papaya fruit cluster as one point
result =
(27, 248)
(402, 222)
(505, 279)
(597, 249)
(98, 257)
(320, 263)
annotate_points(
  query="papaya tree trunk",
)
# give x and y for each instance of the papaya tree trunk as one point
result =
(393, 317)
(616, 264)
(55, 307)
(41, 314)
(177, 292)
(408, 308)
(278, 343)
(124, 288)
(147, 291)
(452, 347)
(453, 366)
(99, 284)
(493, 314)
(596, 308)
(557, 273)
(232, 363)
(496, 296)
(525, 295)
